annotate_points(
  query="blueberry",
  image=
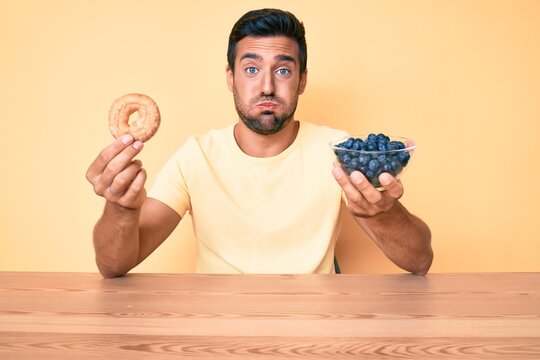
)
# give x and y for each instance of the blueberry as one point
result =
(372, 177)
(382, 146)
(396, 166)
(388, 168)
(403, 158)
(345, 158)
(371, 138)
(349, 143)
(340, 153)
(370, 174)
(357, 144)
(353, 164)
(371, 145)
(384, 161)
(396, 145)
(382, 138)
(363, 159)
(373, 165)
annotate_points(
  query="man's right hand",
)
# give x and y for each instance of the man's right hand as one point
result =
(116, 176)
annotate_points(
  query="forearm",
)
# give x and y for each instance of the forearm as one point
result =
(403, 237)
(116, 240)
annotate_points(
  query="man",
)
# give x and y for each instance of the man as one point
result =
(261, 192)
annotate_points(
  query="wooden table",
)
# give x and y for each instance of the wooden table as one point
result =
(440, 316)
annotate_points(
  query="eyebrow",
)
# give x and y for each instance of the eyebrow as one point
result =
(286, 58)
(278, 57)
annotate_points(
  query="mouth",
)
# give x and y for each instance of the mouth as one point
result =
(267, 105)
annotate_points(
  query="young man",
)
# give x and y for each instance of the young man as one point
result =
(261, 192)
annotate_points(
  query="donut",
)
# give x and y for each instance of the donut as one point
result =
(142, 128)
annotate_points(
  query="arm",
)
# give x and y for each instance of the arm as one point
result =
(403, 237)
(132, 226)
(123, 237)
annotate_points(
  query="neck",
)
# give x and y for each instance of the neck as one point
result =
(258, 145)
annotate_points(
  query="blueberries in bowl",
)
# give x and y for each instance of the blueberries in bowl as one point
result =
(373, 154)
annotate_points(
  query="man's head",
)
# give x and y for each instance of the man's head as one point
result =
(266, 23)
(266, 68)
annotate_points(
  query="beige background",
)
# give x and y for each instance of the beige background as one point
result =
(461, 77)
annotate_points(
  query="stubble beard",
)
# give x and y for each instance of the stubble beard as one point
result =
(268, 122)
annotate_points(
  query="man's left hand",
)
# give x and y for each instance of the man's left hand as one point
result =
(363, 199)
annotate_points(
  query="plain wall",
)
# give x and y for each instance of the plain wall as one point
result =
(461, 77)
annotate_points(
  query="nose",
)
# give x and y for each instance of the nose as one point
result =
(268, 84)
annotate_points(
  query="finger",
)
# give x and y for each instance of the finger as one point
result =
(393, 187)
(123, 180)
(351, 192)
(368, 191)
(106, 155)
(132, 197)
(119, 163)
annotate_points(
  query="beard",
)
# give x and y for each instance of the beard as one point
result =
(267, 122)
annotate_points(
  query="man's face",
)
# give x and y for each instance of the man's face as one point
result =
(266, 82)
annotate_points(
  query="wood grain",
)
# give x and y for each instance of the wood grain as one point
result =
(440, 316)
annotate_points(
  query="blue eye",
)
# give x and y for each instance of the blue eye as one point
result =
(252, 70)
(283, 72)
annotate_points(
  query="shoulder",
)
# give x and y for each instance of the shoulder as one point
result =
(316, 132)
(199, 144)
(215, 135)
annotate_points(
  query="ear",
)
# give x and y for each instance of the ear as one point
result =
(230, 77)
(303, 82)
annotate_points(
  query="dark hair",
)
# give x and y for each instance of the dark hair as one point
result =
(268, 22)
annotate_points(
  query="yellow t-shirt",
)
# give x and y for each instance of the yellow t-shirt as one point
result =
(278, 214)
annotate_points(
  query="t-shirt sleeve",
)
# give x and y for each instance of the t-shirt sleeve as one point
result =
(170, 186)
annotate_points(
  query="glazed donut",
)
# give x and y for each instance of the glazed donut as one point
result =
(144, 127)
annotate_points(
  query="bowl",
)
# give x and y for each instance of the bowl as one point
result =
(374, 154)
